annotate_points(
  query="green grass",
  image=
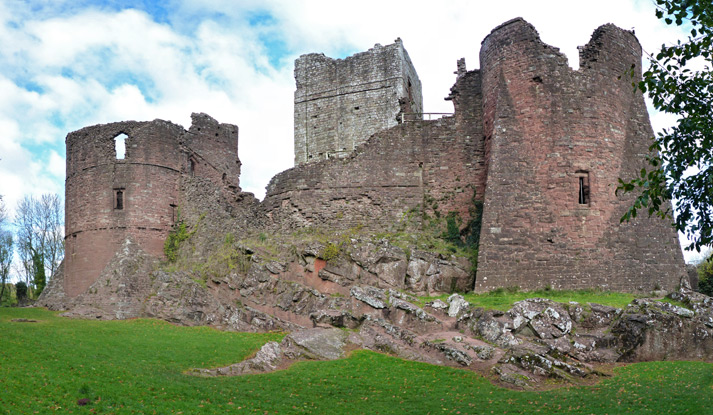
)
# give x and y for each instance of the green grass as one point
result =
(137, 367)
(504, 299)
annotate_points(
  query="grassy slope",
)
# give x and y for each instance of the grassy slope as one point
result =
(136, 367)
(504, 299)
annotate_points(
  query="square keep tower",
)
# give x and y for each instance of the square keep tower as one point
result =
(340, 103)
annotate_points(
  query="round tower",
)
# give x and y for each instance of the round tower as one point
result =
(122, 182)
(557, 141)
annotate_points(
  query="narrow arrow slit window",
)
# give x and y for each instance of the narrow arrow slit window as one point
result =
(119, 199)
(583, 178)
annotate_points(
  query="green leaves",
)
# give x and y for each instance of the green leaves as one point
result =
(679, 170)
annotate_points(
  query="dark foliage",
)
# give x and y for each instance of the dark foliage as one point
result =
(682, 167)
(21, 291)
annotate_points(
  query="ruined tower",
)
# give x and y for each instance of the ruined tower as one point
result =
(123, 182)
(556, 142)
(540, 144)
(340, 103)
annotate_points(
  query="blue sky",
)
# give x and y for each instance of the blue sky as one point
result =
(66, 64)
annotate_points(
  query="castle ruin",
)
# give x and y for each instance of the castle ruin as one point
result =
(340, 103)
(539, 144)
(110, 198)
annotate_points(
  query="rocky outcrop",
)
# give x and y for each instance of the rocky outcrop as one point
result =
(311, 344)
(537, 339)
(53, 296)
(359, 299)
(654, 330)
(118, 293)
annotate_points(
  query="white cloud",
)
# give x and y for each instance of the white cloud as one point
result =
(56, 165)
(13, 164)
(63, 68)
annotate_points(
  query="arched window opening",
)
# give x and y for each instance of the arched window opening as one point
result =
(120, 146)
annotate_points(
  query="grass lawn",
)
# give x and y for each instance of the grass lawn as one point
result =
(136, 367)
(503, 299)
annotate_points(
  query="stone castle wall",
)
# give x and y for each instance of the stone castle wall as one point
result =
(339, 103)
(549, 129)
(109, 200)
(397, 169)
(541, 145)
(213, 148)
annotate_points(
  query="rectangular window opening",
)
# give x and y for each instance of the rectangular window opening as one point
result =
(584, 195)
(119, 199)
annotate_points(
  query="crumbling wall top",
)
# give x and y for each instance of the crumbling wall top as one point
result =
(511, 33)
(612, 46)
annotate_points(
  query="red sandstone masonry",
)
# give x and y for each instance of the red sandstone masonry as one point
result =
(545, 123)
(158, 154)
(526, 130)
(395, 170)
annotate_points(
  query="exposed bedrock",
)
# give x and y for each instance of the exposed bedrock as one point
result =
(353, 304)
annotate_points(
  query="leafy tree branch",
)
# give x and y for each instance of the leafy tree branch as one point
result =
(680, 82)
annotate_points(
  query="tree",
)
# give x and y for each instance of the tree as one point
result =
(705, 276)
(5, 250)
(38, 267)
(52, 221)
(40, 238)
(5, 259)
(680, 82)
(20, 291)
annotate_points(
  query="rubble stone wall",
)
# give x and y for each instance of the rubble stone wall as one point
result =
(340, 103)
(214, 148)
(374, 187)
(109, 199)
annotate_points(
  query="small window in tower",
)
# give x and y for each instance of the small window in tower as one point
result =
(120, 146)
(118, 199)
(583, 185)
(191, 166)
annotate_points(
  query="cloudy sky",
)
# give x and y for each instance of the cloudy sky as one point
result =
(66, 64)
